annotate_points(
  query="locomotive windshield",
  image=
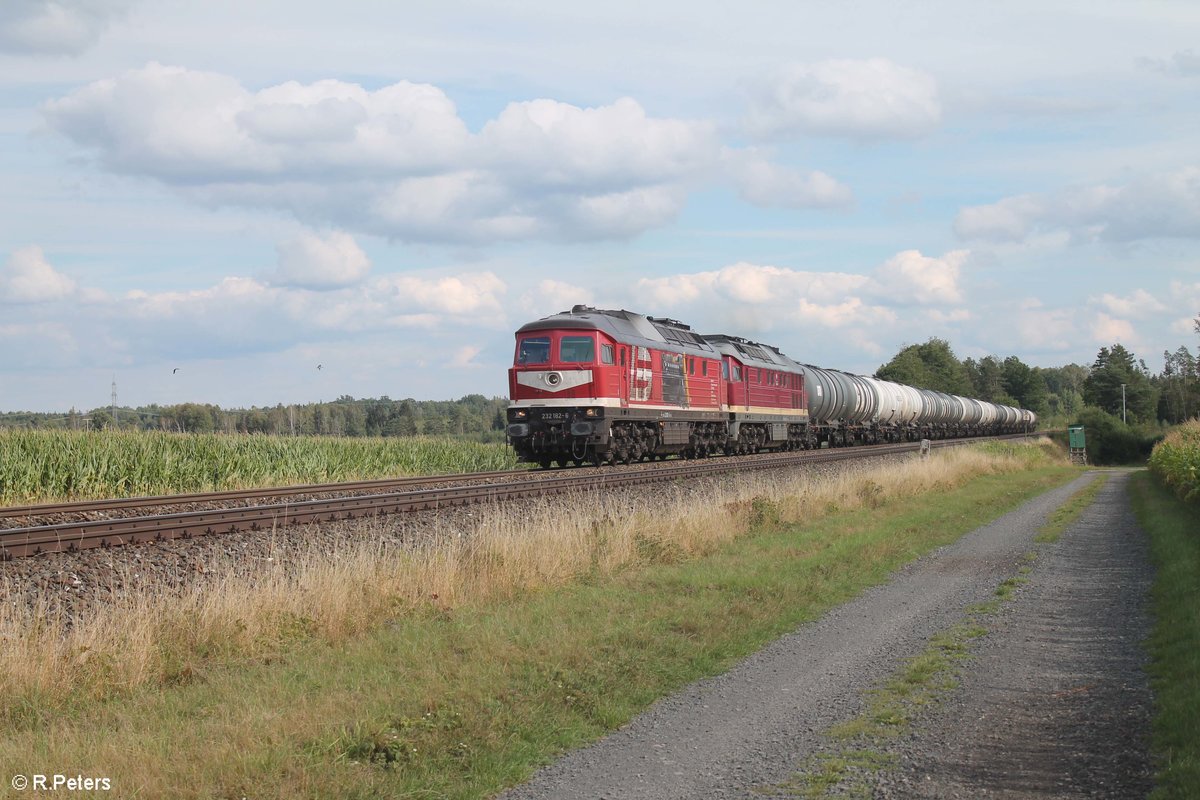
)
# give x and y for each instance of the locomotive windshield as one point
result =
(577, 350)
(534, 350)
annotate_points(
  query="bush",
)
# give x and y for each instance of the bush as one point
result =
(1111, 441)
(1176, 460)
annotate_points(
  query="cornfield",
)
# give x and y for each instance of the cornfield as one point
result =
(1176, 460)
(44, 466)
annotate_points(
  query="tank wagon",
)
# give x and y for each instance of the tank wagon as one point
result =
(590, 385)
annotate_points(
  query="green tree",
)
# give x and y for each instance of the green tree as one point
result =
(987, 378)
(1115, 366)
(1179, 387)
(931, 365)
(1025, 385)
(1065, 387)
(1110, 441)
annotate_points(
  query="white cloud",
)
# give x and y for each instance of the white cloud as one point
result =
(1045, 329)
(1139, 305)
(1109, 330)
(1185, 63)
(945, 317)
(753, 284)
(38, 345)
(1186, 293)
(751, 298)
(312, 262)
(910, 276)
(1185, 325)
(55, 27)
(862, 99)
(464, 357)
(1161, 205)
(552, 144)
(765, 184)
(469, 295)
(399, 161)
(242, 315)
(551, 296)
(757, 297)
(28, 278)
(181, 125)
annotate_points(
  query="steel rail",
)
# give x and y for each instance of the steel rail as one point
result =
(72, 536)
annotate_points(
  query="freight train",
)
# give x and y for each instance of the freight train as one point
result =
(597, 386)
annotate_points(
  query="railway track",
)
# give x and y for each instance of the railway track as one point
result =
(383, 497)
(378, 485)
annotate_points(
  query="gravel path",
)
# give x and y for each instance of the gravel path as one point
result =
(1056, 703)
(742, 733)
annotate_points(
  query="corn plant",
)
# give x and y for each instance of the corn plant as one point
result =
(41, 465)
(1176, 460)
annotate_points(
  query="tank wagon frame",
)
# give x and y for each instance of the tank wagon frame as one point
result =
(599, 386)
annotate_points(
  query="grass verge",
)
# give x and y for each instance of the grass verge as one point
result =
(1069, 511)
(1174, 644)
(497, 660)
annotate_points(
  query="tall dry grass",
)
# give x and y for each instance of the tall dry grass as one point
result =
(149, 637)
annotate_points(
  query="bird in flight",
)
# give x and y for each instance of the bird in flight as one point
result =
(318, 366)
(175, 370)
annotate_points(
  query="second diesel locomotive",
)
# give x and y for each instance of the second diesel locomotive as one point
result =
(590, 385)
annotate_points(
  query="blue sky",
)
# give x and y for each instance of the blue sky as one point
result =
(244, 191)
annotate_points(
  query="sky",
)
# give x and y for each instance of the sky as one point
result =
(205, 202)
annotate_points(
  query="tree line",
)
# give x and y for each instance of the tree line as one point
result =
(1117, 382)
(473, 416)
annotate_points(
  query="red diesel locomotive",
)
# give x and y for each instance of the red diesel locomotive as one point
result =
(613, 385)
(600, 386)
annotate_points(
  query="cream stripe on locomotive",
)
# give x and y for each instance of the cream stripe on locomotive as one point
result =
(800, 414)
(607, 402)
(554, 380)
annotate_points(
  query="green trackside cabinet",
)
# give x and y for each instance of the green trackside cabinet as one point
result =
(1077, 445)
(1075, 434)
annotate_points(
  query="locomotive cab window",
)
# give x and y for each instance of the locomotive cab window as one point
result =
(534, 350)
(606, 354)
(703, 367)
(577, 350)
(737, 374)
(724, 371)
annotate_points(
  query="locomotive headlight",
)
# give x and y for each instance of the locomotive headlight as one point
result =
(520, 413)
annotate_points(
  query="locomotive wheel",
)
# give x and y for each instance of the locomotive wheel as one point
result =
(545, 462)
(577, 462)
